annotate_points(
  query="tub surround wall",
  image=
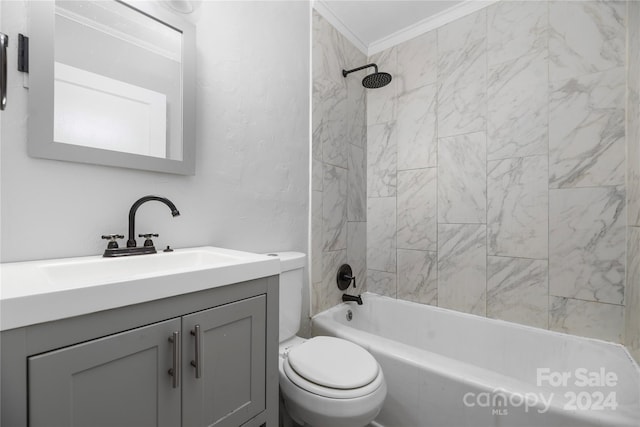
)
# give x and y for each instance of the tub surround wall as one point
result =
(632, 297)
(250, 191)
(338, 223)
(496, 167)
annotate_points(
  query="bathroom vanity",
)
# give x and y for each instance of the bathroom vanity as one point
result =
(178, 342)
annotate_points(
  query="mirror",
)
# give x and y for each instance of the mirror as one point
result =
(112, 83)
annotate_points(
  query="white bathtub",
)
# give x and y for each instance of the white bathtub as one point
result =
(449, 369)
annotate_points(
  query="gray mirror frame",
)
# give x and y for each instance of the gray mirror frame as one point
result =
(41, 96)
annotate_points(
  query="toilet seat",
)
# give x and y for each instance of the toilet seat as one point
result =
(333, 367)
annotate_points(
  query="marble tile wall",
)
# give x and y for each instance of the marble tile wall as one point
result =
(632, 297)
(339, 162)
(496, 168)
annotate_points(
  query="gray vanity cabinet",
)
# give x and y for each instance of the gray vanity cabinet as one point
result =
(120, 380)
(228, 343)
(111, 368)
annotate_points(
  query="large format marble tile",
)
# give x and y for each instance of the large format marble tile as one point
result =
(329, 117)
(317, 169)
(417, 62)
(334, 208)
(357, 185)
(381, 234)
(357, 107)
(381, 160)
(357, 252)
(329, 123)
(633, 154)
(333, 132)
(356, 95)
(316, 121)
(517, 99)
(457, 36)
(462, 263)
(632, 291)
(317, 297)
(517, 290)
(417, 205)
(462, 171)
(381, 102)
(416, 123)
(587, 243)
(327, 52)
(587, 130)
(317, 243)
(517, 207)
(462, 75)
(633, 116)
(585, 37)
(418, 276)
(516, 29)
(586, 318)
(632, 297)
(328, 294)
(381, 283)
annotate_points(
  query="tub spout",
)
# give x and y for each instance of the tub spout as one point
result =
(355, 298)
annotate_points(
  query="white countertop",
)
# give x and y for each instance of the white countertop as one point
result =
(42, 291)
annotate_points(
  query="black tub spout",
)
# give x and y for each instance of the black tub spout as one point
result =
(354, 298)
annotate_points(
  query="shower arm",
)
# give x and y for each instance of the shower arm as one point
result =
(344, 72)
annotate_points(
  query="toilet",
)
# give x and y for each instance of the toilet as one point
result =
(324, 381)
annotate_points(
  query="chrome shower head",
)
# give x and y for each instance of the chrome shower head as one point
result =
(372, 81)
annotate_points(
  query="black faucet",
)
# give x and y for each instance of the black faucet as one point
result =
(355, 298)
(131, 243)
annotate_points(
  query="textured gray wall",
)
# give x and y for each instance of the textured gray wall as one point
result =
(251, 187)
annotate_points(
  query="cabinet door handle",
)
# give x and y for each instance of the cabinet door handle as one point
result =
(4, 42)
(175, 369)
(197, 363)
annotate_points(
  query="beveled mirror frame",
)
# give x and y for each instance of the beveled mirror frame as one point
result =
(41, 143)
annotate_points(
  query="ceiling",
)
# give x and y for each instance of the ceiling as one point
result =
(373, 20)
(374, 25)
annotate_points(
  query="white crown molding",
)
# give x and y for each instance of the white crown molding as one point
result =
(431, 23)
(327, 13)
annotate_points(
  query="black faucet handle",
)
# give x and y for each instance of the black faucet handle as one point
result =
(112, 238)
(147, 237)
(345, 277)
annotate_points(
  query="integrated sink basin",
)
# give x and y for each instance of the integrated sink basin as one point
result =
(88, 271)
(41, 291)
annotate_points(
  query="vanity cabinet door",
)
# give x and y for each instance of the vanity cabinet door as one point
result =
(231, 351)
(120, 380)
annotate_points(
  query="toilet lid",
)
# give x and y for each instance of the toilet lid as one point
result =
(333, 362)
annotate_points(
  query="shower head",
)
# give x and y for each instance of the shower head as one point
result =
(376, 80)
(371, 81)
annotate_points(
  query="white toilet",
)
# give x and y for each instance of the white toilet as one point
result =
(324, 381)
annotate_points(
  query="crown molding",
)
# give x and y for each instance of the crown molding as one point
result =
(323, 8)
(448, 15)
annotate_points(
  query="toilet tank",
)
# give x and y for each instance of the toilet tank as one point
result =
(291, 282)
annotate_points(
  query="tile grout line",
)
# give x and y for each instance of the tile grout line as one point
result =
(548, 90)
(486, 166)
(437, 142)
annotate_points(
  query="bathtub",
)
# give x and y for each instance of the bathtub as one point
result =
(449, 369)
